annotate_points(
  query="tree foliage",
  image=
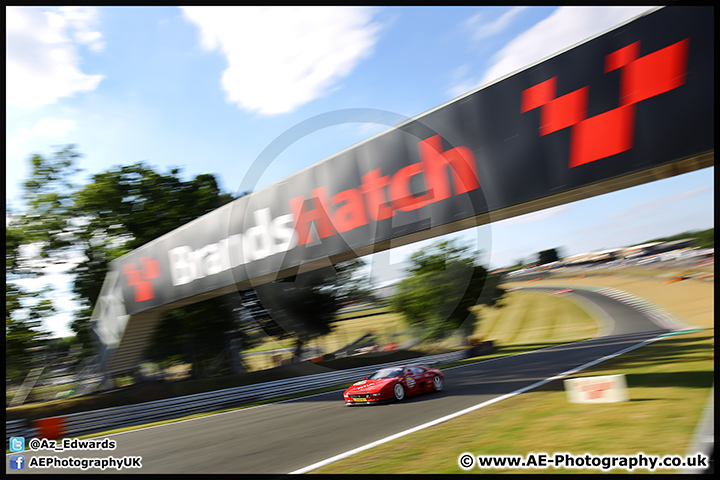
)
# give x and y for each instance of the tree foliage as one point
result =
(118, 210)
(303, 307)
(197, 334)
(23, 333)
(442, 286)
(704, 238)
(137, 204)
(48, 197)
(129, 206)
(25, 310)
(353, 282)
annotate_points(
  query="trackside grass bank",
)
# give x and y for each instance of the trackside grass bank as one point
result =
(669, 382)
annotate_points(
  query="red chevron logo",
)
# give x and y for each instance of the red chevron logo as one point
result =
(611, 132)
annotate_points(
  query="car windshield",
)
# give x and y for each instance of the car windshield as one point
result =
(386, 373)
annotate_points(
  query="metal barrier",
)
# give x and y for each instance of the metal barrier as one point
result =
(142, 413)
(18, 428)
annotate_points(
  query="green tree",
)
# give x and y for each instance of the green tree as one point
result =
(49, 227)
(442, 286)
(24, 317)
(25, 310)
(302, 307)
(117, 211)
(353, 282)
(126, 207)
(134, 204)
(48, 197)
(198, 334)
(703, 238)
(34, 235)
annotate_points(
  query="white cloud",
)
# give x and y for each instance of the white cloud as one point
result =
(461, 84)
(46, 128)
(42, 61)
(655, 207)
(84, 21)
(481, 29)
(566, 27)
(52, 127)
(538, 216)
(280, 58)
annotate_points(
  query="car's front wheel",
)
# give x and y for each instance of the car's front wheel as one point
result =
(438, 383)
(398, 391)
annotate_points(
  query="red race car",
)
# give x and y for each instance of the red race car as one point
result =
(394, 383)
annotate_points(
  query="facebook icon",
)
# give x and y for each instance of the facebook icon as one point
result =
(17, 462)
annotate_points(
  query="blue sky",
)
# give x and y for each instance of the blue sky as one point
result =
(208, 89)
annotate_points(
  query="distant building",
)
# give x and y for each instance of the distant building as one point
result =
(675, 245)
(593, 257)
(635, 251)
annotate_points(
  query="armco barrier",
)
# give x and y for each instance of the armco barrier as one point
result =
(19, 428)
(138, 414)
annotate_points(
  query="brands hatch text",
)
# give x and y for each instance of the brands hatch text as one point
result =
(379, 197)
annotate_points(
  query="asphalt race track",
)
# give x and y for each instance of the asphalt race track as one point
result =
(283, 437)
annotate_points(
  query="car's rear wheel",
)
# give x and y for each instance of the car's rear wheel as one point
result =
(438, 383)
(398, 391)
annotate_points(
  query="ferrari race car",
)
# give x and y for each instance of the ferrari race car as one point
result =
(394, 383)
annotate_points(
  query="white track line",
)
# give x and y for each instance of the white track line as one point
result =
(349, 453)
